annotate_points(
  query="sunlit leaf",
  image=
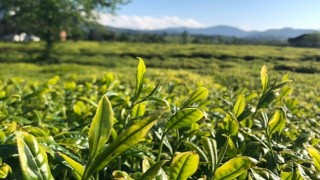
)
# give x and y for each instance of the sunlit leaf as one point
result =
(141, 69)
(5, 169)
(197, 149)
(315, 154)
(262, 173)
(234, 168)
(33, 159)
(76, 167)
(147, 163)
(277, 123)
(153, 170)
(231, 125)
(210, 145)
(138, 110)
(199, 95)
(302, 173)
(184, 165)
(120, 175)
(264, 78)
(131, 136)
(101, 126)
(239, 106)
(184, 118)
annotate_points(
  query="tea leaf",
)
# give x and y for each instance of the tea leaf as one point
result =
(234, 168)
(33, 159)
(141, 69)
(314, 153)
(210, 145)
(101, 126)
(184, 118)
(198, 149)
(138, 110)
(5, 169)
(147, 163)
(153, 170)
(264, 78)
(77, 168)
(184, 165)
(199, 95)
(277, 123)
(239, 106)
(262, 173)
(231, 125)
(131, 136)
(120, 175)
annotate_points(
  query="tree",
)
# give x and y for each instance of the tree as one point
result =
(47, 18)
(185, 37)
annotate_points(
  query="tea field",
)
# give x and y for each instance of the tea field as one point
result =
(180, 112)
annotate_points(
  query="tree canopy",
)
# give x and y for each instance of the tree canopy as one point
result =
(47, 18)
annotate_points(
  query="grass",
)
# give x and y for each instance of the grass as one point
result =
(225, 64)
(228, 72)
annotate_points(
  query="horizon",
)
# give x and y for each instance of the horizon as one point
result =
(249, 15)
(221, 25)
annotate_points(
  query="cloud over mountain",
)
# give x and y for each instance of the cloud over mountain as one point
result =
(147, 23)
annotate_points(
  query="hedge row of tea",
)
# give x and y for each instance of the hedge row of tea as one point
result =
(104, 129)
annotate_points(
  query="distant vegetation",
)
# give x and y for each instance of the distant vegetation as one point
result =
(306, 40)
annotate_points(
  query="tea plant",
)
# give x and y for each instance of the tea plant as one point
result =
(153, 131)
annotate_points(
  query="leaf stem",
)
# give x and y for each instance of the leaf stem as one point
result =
(160, 147)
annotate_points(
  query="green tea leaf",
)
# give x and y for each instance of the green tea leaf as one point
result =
(300, 171)
(147, 163)
(153, 171)
(315, 154)
(2, 136)
(198, 150)
(231, 125)
(141, 69)
(120, 175)
(234, 168)
(287, 175)
(262, 173)
(131, 136)
(5, 169)
(264, 78)
(101, 126)
(239, 106)
(184, 165)
(266, 99)
(138, 109)
(277, 123)
(76, 167)
(51, 147)
(222, 151)
(184, 118)
(33, 159)
(199, 95)
(210, 145)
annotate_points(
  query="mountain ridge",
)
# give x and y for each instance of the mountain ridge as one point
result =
(229, 31)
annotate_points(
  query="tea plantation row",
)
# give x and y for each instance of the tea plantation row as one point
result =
(171, 129)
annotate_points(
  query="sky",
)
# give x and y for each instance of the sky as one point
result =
(244, 14)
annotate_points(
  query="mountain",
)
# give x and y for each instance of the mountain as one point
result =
(222, 30)
(279, 34)
(210, 31)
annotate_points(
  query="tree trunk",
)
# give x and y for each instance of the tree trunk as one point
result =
(47, 53)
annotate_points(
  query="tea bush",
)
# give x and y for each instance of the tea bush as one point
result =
(103, 129)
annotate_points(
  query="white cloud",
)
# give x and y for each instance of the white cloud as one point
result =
(147, 23)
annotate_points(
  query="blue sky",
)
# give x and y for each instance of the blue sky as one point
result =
(244, 14)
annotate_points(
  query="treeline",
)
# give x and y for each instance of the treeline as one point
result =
(96, 32)
(101, 33)
(306, 40)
